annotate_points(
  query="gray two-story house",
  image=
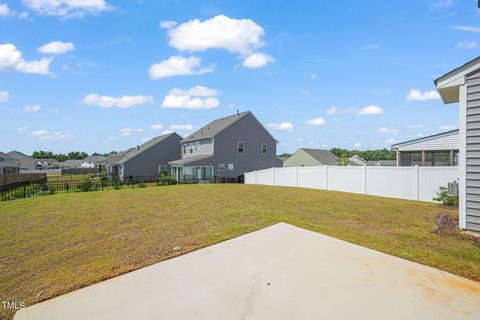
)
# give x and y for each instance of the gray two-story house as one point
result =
(8, 164)
(226, 148)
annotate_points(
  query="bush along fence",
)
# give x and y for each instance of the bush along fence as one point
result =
(88, 184)
(414, 183)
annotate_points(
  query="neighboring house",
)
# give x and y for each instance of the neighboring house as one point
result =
(311, 157)
(98, 162)
(8, 164)
(356, 160)
(46, 164)
(226, 148)
(436, 150)
(383, 163)
(283, 159)
(71, 164)
(26, 162)
(462, 86)
(148, 159)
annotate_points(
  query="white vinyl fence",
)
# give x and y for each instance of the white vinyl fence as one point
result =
(414, 183)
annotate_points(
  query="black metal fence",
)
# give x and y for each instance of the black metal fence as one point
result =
(89, 183)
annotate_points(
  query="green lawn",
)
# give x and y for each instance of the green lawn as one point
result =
(55, 244)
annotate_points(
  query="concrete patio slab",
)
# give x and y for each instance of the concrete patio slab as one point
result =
(280, 272)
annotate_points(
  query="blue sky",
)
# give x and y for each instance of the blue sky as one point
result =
(103, 75)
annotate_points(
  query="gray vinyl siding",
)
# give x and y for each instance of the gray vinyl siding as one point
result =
(253, 134)
(147, 162)
(205, 147)
(473, 152)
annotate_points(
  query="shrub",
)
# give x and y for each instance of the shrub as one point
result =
(141, 185)
(445, 198)
(165, 181)
(86, 185)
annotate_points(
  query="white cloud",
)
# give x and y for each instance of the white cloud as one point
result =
(241, 36)
(22, 129)
(11, 59)
(466, 28)
(389, 130)
(156, 126)
(332, 111)
(372, 46)
(284, 126)
(4, 10)
(313, 76)
(181, 127)
(466, 44)
(198, 97)
(315, 122)
(357, 145)
(4, 96)
(257, 60)
(123, 102)
(370, 110)
(46, 135)
(417, 95)
(35, 108)
(439, 4)
(177, 66)
(448, 127)
(66, 8)
(415, 126)
(167, 131)
(56, 47)
(127, 131)
(167, 24)
(390, 141)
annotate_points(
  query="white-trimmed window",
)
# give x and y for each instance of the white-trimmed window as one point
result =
(230, 167)
(221, 167)
(264, 148)
(197, 145)
(240, 147)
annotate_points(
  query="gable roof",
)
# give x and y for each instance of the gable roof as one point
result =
(357, 160)
(94, 159)
(18, 153)
(7, 156)
(323, 156)
(422, 139)
(215, 127)
(70, 163)
(448, 84)
(133, 152)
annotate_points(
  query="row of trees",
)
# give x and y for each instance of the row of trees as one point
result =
(73, 155)
(369, 155)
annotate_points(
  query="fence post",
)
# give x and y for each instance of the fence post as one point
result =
(102, 184)
(24, 193)
(67, 186)
(416, 183)
(296, 173)
(326, 177)
(364, 179)
(273, 175)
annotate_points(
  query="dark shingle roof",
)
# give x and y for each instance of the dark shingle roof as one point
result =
(323, 156)
(214, 127)
(133, 152)
(184, 161)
